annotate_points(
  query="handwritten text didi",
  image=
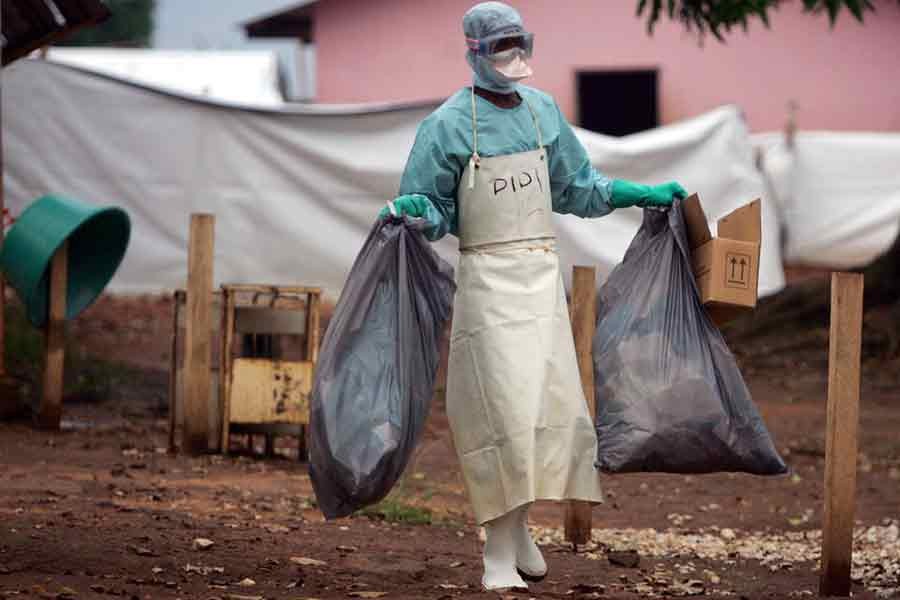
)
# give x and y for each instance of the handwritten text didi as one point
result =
(516, 183)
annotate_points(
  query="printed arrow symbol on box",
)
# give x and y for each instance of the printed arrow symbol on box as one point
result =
(733, 266)
(743, 266)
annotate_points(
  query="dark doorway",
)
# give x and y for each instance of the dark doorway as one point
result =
(617, 102)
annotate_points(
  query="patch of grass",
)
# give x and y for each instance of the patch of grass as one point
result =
(393, 510)
(87, 378)
(24, 344)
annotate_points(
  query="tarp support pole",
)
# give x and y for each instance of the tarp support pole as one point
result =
(584, 320)
(50, 411)
(844, 354)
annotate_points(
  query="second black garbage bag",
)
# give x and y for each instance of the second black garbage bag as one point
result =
(375, 377)
(670, 397)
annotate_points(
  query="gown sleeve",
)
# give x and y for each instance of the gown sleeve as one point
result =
(577, 188)
(432, 172)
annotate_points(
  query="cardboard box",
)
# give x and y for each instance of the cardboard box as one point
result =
(727, 266)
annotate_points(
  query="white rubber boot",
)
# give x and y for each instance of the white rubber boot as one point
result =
(529, 560)
(500, 554)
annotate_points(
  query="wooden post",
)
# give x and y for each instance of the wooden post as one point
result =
(312, 328)
(173, 372)
(51, 400)
(312, 355)
(845, 343)
(2, 206)
(225, 360)
(584, 320)
(198, 334)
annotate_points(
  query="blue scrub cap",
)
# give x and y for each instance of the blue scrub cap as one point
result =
(491, 18)
(483, 20)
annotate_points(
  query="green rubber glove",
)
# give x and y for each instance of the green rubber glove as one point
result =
(627, 193)
(418, 206)
(414, 205)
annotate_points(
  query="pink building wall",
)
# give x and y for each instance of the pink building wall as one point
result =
(847, 78)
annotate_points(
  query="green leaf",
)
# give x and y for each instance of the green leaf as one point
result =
(131, 24)
(719, 17)
(833, 7)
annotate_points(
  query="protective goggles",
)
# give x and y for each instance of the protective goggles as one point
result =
(495, 44)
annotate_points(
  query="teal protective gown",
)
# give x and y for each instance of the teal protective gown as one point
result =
(444, 146)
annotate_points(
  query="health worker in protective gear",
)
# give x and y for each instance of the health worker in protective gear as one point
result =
(490, 165)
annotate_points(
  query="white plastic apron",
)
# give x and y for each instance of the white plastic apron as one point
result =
(514, 399)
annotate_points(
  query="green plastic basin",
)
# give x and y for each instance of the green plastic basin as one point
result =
(97, 236)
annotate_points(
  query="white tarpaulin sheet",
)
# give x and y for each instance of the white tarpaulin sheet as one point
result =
(838, 194)
(228, 75)
(295, 191)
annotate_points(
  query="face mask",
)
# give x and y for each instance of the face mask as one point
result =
(511, 64)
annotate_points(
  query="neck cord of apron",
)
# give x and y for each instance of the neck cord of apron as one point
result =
(475, 160)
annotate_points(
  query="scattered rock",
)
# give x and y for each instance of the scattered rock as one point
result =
(66, 593)
(728, 534)
(347, 549)
(202, 570)
(367, 594)
(586, 588)
(246, 582)
(712, 577)
(629, 559)
(203, 544)
(307, 562)
(679, 520)
(692, 587)
(141, 550)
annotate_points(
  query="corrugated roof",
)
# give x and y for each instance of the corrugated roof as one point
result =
(32, 24)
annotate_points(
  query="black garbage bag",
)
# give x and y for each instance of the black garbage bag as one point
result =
(375, 377)
(670, 397)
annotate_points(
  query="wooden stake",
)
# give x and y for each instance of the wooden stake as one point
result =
(312, 355)
(173, 372)
(584, 320)
(225, 362)
(51, 400)
(198, 334)
(2, 206)
(312, 328)
(841, 433)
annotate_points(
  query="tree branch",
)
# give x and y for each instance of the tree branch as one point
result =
(718, 17)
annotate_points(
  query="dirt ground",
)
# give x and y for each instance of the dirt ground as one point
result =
(101, 509)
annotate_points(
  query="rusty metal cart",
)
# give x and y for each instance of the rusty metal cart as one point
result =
(264, 389)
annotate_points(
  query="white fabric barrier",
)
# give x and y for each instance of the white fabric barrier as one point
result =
(295, 190)
(838, 195)
(710, 154)
(228, 75)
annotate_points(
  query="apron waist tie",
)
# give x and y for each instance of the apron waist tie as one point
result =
(544, 243)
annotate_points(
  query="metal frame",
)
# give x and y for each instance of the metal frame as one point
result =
(235, 296)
